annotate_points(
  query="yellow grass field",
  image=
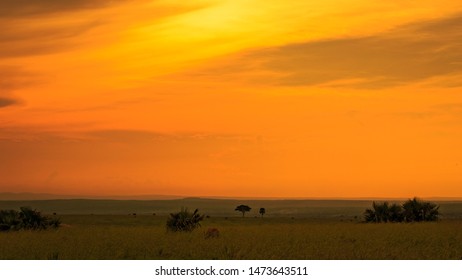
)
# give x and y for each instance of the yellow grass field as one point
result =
(90, 237)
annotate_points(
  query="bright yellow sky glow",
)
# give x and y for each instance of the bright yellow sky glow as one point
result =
(232, 98)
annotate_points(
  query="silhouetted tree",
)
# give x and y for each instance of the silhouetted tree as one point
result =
(413, 210)
(430, 212)
(184, 220)
(379, 213)
(243, 209)
(262, 212)
(382, 211)
(416, 210)
(370, 216)
(395, 213)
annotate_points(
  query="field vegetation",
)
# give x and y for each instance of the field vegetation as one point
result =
(146, 237)
(315, 232)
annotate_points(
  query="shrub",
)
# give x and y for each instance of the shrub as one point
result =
(9, 220)
(413, 210)
(27, 219)
(54, 222)
(184, 220)
(384, 212)
(416, 210)
(32, 219)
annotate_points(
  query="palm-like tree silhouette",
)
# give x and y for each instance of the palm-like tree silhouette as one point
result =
(413, 210)
(416, 210)
(379, 213)
(395, 213)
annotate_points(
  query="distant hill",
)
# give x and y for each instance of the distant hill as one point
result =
(312, 209)
(46, 196)
(212, 207)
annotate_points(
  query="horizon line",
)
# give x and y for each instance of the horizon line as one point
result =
(52, 196)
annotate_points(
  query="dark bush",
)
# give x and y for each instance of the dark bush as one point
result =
(416, 210)
(184, 220)
(384, 212)
(413, 210)
(27, 219)
(9, 220)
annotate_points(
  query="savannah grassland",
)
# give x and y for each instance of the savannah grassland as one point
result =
(309, 230)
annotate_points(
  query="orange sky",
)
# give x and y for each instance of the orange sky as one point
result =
(270, 98)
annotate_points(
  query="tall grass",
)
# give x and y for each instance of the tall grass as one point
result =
(146, 237)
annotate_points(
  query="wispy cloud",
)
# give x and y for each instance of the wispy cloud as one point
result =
(139, 136)
(405, 54)
(11, 79)
(42, 27)
(26, 41)
(133, 136)
(120, 135)
(14, 77)
(50, 26)
(5, 102)
(15, 8)
(444, 110)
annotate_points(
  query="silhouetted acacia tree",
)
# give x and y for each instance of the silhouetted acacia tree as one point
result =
(243, 209)
(262, 211)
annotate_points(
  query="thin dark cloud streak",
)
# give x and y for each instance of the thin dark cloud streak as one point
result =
(21, 32)
(120, 136)
(30, 8)
(31, 31)
(5, 102)
(126, 135)
(18, 42)
(447, 110)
